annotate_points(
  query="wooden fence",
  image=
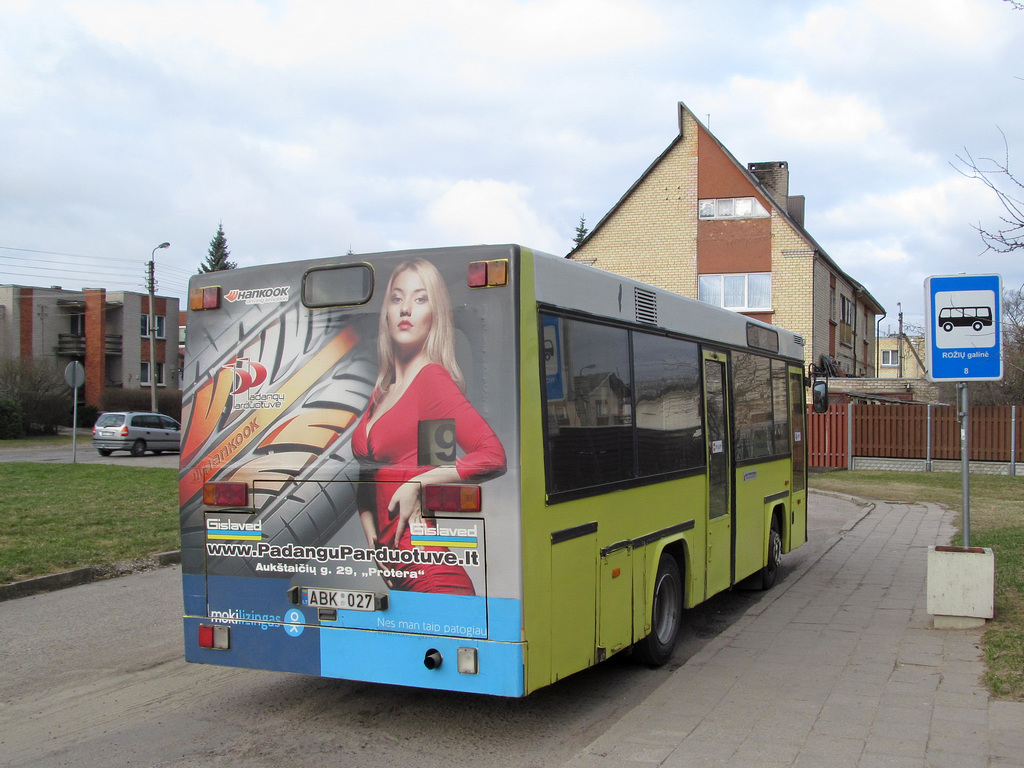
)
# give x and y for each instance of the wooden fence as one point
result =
(928, 432)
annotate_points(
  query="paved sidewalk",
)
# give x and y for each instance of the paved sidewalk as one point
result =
(838, 667)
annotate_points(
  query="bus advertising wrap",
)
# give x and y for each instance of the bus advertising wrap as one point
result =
(341, 420)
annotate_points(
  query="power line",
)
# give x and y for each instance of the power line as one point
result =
(102, 268)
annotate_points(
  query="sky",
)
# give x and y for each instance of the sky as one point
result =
(311, 128)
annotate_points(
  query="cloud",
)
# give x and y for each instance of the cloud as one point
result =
(487, 211)
(871, 35)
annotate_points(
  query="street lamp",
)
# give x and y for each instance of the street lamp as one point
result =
(152, 326)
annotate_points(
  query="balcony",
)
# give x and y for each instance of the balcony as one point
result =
(73, 345)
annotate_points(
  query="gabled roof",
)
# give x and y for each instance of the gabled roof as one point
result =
(685, 112)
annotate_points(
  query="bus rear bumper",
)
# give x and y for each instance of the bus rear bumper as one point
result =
(396, 658)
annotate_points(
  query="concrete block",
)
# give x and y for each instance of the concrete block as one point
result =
(960, 586)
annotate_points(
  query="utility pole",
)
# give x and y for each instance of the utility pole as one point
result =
(899, 341)
(152, 326)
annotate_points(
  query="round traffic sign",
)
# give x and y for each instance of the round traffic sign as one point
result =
(74, 375)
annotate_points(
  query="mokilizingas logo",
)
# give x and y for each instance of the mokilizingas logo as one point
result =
(258, 295)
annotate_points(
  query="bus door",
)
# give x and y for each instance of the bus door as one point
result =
(798, 445)
(718, 573)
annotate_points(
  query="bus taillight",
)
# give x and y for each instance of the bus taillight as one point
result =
(452, 498)
(215, 636)
(225, 494)
(487, 274)
(204, 298)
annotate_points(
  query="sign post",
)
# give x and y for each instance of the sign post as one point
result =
(74, 375)
(963, 329)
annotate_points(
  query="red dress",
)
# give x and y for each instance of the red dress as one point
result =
(389, 452)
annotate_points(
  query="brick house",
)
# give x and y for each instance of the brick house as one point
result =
(106, 331)
(699, 223)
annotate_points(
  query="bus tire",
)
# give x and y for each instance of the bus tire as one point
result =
(770, 572)
(656, 649)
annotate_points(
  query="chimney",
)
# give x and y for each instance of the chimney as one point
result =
(795, 207)
(774, 177)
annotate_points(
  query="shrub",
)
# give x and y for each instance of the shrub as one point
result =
(87, 415)
(39, 388)
(10, 419)
(117, 399)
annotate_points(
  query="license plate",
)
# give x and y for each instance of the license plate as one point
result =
(338, 599)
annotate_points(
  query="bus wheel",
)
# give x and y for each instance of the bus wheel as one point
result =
(771, 570)
(667, 614)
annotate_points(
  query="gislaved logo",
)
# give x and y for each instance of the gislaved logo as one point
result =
(233, 528)
(258, 295)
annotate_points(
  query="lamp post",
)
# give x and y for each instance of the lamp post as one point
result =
(152, 326)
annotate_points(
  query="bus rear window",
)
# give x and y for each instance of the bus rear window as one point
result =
(343, 285)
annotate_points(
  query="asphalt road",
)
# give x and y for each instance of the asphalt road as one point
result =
(84, 453)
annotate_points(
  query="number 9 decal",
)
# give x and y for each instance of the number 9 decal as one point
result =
(436, 442)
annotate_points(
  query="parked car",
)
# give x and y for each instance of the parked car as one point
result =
(135, 432)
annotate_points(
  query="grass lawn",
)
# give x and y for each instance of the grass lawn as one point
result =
(54, 517)
(997, 521)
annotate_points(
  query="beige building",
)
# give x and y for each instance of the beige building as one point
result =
(901, 358)
(106, 331)
(699, 223)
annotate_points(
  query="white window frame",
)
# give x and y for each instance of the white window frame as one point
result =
(710, 293)
(890, 358)
(730, 208)
(161, 326)
(144, 374)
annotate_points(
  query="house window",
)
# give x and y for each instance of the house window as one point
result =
(144, 374)
(741, 292)
(77, 325)
(846, 321)
(890, 358)
(731, 208)
(160, 326)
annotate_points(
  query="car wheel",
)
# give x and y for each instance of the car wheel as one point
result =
(138, 448)
(104, 451)
(666, 615)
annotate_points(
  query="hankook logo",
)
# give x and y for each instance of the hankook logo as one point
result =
(258, 295)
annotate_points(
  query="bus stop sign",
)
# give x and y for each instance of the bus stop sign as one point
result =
(963, 327)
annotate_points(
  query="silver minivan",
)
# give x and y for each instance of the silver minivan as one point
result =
(135, 432)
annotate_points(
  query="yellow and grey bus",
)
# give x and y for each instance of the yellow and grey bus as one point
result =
(476, 469)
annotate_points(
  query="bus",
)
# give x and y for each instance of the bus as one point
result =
(478, 469)
(963, 317)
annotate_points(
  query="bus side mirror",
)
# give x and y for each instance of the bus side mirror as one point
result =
(819, 395)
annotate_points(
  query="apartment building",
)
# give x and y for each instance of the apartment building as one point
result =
(700, 223)
(106, 331)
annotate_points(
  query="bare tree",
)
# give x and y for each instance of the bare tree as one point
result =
(997, 176)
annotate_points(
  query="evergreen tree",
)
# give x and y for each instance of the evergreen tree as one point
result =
(217, 259)
(581, 232)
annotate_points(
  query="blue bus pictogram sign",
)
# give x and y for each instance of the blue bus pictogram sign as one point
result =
(962, 327)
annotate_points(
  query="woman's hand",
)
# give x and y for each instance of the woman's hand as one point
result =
(405, 504)
(369, 527)
(370, 530)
